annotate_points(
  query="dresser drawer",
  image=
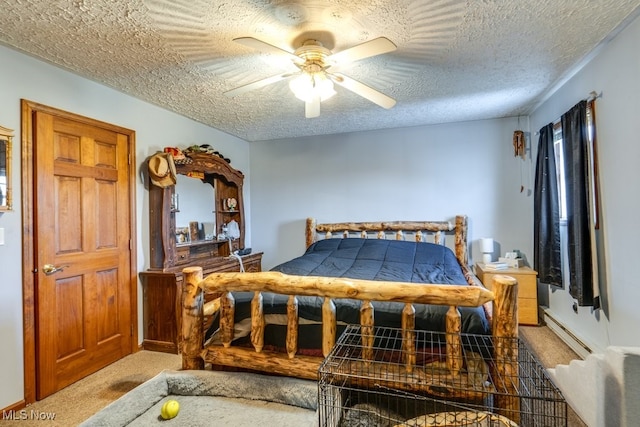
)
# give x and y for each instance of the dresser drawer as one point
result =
(182, 255)
(527, 311)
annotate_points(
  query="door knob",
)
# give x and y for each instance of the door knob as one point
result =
(50, 268)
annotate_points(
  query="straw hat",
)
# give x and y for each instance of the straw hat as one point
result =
(162, 170)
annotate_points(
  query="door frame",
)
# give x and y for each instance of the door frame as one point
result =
(29, 245)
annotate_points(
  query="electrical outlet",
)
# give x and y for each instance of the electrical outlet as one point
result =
(1, 236)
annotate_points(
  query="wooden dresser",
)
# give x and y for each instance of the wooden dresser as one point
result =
(527, 290)
(162, 300)
(162, 282)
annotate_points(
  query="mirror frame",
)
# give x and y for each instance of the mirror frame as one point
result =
(6, 138)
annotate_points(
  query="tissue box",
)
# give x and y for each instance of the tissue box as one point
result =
(512, 262)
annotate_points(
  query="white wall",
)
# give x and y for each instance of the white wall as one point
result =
(615, 72)
(23, 77)
(418, 173)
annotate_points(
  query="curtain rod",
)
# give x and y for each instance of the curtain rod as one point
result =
(593, 95)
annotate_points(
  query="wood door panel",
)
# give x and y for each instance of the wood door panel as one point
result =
(106, 218)
(105, 155)
(68, 214)
(69, 319)
(66, 148)
(107, 312)
(87, 306)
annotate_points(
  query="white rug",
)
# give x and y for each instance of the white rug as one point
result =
(213, 398)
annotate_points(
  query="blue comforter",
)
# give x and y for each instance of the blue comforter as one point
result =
(368, 259)
(375, 259)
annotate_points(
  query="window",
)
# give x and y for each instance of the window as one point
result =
(592, 173)
(557, 149)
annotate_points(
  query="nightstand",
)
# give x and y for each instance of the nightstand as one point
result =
(527, 290)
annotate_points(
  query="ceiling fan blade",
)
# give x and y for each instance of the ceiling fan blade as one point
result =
(312, 107)
(267, 48)
(258, 84)
(363, 90)
(363, 50)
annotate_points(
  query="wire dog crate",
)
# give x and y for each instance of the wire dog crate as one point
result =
(359, 388)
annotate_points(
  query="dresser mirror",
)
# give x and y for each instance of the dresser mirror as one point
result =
(6, 138)
(195, 202)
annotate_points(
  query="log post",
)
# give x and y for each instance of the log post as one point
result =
(381, 234)
(409, 336)
(257, 322)
(292, 326)
(419, 236)
(227, 314)
(399, 235)
(461, 240)
(454, 345)
(192, 319)
(366, 330)
(437, 238)
(328, 326)
(310, 232)
(505, 337)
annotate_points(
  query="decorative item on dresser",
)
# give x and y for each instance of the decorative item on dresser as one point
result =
(486, 246)
(173, 248)
(527, 289)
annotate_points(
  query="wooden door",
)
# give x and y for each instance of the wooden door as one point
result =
(83, 315)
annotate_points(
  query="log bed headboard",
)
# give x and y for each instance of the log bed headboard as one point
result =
(420, 230)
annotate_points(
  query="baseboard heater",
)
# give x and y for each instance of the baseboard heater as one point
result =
(575, 343)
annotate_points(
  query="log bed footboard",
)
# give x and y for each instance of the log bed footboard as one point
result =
(194, 354)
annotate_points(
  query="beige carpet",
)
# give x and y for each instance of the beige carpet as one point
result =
(550, 351)
(79, 401)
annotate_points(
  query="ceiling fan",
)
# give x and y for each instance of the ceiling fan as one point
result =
(313, 81)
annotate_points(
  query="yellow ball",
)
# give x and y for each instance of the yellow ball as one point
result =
(170, 409)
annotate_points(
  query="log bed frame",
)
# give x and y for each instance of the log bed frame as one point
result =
(500, 306)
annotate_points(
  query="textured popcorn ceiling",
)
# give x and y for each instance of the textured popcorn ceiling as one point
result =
(456, 60)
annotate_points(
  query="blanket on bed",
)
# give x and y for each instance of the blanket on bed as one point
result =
(376, 259)
(368, 259)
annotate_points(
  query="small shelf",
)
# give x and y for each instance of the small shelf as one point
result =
(204, 242)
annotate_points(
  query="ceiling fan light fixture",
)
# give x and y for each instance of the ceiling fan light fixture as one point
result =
(309, 86)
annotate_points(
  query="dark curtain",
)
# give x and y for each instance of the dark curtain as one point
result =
(546, 224)
(576, 159)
